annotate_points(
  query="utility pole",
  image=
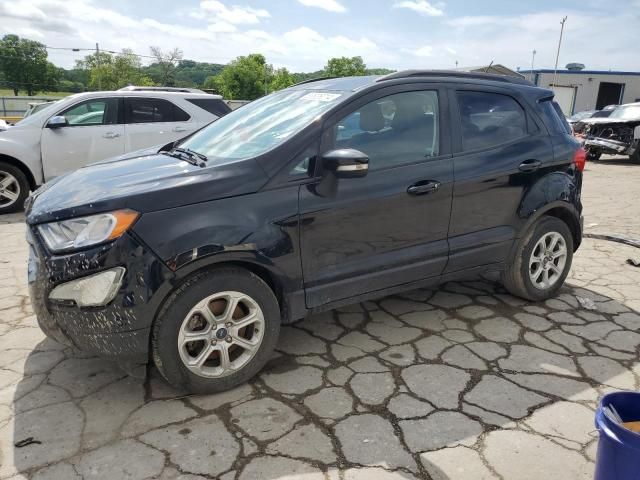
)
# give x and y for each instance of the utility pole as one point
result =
(98, 63)
(555, 70)
(533, 57)
(265, 78)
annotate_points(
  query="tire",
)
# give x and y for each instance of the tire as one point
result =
(517, 277)
(12, 182)
(186, 312)
(593, 156)
(635, 158)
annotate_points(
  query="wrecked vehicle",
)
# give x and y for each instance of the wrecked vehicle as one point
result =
(619, 134)
(320, 195)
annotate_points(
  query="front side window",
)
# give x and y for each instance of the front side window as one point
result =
(152, 110)
(261, 125)
(99, 111)
(393, 130)
(489, 119)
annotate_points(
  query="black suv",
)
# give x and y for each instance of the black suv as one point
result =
(320, 195)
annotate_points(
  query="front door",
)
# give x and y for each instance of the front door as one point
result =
(389, 227)
(499, 154)
(93, 132)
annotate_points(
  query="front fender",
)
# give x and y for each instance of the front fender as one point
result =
(23, 145)
(259, 229)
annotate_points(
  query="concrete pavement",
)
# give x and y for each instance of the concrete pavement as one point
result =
(462, 382)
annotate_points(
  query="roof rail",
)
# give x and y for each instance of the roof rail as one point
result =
(312, 80)
(456, 74)
(133, 88)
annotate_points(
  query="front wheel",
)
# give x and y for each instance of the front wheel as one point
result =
(541, 261)
(14, 188)
(593, 156)
(216, 331)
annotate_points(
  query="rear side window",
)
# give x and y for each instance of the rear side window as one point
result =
(553, 116)
(211, 105)
(151, 110)
(490, 119)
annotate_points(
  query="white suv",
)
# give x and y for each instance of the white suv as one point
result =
(88, 127)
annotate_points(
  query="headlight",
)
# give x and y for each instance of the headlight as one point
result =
(86, 231)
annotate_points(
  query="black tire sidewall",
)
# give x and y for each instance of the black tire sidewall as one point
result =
(165, 331)
(544, 226)
(24, 187)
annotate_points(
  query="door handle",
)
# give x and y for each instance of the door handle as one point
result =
(179, 129)
(423, 187)
(111, 135)
(530, 165)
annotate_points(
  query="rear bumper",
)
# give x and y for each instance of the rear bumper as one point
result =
(119, 329)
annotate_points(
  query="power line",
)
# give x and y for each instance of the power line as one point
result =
(78, 49)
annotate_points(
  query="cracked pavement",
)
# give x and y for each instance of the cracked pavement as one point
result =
(463, 382)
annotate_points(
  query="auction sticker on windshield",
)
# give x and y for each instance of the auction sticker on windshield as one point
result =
(320, 96)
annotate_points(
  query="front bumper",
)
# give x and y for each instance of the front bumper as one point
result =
(119, 329)
(610, 146)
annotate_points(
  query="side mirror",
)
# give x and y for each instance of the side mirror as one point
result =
(346, 163)
(57, 122)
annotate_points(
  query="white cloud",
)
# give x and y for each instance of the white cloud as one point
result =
(421, 6)
(221, 27)
(235, 15)
(329, 5)
(425, 51)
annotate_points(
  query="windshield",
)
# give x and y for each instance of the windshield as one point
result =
(626, 113)
(260, 125)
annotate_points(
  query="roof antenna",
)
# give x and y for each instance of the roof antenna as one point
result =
(488, 67)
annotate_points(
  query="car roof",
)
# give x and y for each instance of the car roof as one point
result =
(142, 93)
(358, 83)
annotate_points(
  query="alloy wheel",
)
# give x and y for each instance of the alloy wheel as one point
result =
(548, 260)
(9, 189)
(221, 334)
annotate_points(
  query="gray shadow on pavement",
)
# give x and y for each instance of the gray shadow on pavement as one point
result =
(366, 385)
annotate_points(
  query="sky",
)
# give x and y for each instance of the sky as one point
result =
(302, 35)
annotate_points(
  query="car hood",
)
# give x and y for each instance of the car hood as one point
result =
(608, 120)
(143, 183)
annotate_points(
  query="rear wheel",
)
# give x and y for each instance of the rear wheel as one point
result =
(635, 157)
(216, 331)
(14, 188)
(541, 262)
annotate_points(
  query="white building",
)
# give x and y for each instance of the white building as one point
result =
(577, 89)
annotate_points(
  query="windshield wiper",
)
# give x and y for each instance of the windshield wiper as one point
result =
(188, 155)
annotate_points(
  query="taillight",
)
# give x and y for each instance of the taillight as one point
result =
(580, 159)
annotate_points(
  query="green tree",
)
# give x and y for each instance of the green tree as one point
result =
(279, 79)
(110, 72)
(24, 64)
(243, 78)
(345, 67)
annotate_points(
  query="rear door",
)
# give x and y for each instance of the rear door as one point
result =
(152, 121)
(94, 131)
(389, 227)
(499, 151)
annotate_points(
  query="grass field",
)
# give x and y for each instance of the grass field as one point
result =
(6, 92)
